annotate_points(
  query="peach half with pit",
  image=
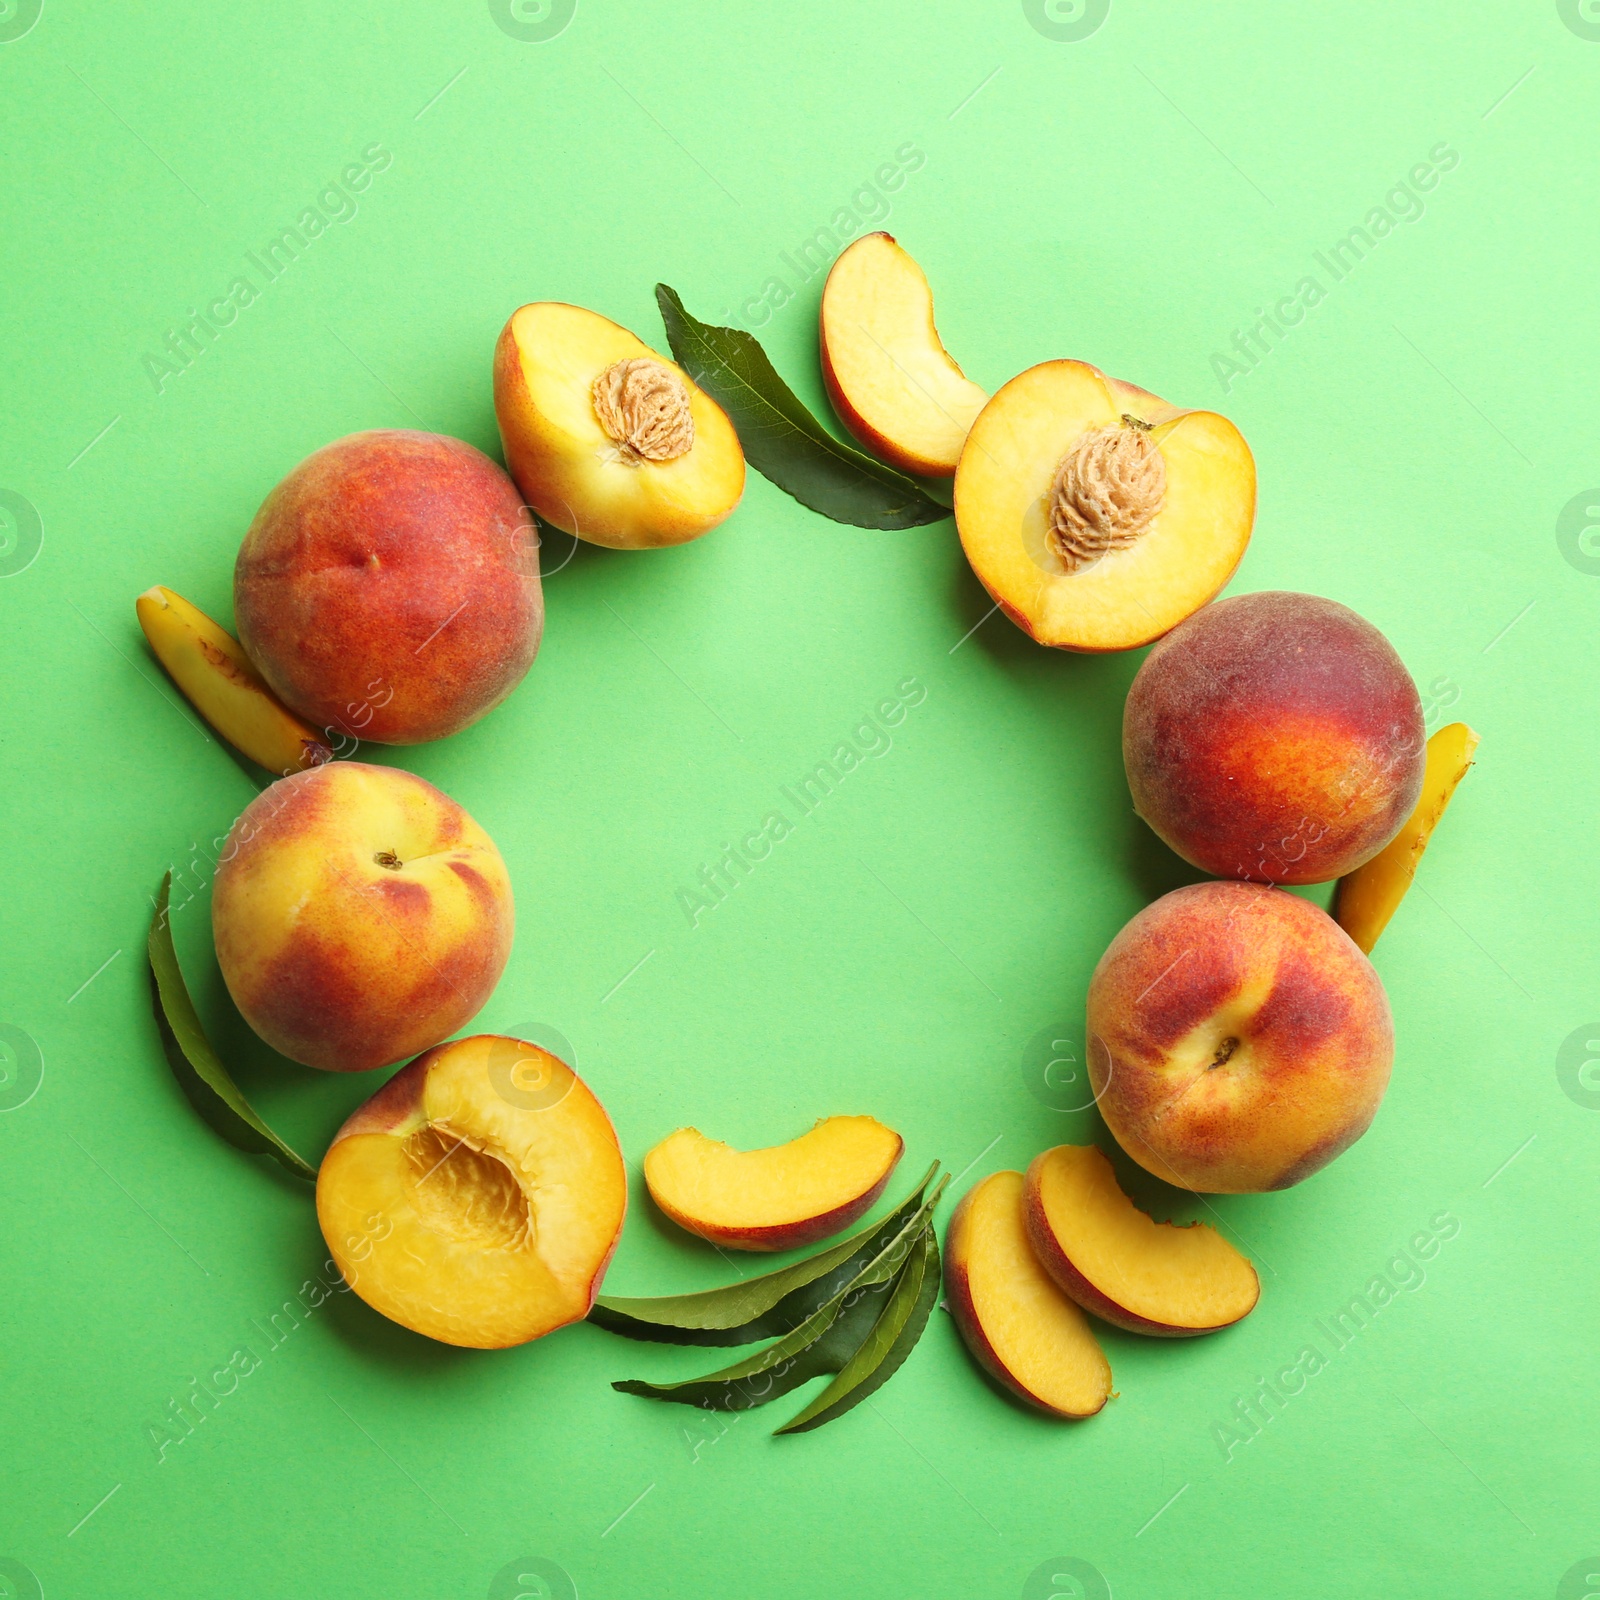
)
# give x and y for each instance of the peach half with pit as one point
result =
(1097, 516)
(888, 374)
(607, 439)
(1275, 737)
(1237, 1039)
(1121, 1265)
(779, 1197)
(1014, 1318)
(388, 588)
(359, 915)
(472, 1215)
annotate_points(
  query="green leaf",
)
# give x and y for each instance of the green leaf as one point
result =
(759, 1308)
(768, 1373)
(881, 1353)
(781, 439)
(824, 1342)
(195, 1065)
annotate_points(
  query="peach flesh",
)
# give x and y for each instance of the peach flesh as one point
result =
(573, 469)
(888, 374)
(1274, 737)
(1369, 896)
(467, 1205)
(1154, 568)
(1018, 1325)
(388, 588)
(778, 1198)
(1238, 1040)
(1125, 1268)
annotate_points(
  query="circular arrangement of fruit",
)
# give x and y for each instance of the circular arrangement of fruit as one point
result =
(1238, 1038)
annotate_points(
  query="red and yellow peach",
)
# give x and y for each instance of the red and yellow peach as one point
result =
(1274, 737)
(359, 915)
(1237, 1039)
(388, 588)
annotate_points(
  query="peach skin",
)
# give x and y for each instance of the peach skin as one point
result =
(360, 916)
(1274, 737)
(389, 587)
(1237, 1039)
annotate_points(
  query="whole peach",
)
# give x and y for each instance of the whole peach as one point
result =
(1274, 737)
(389, 587)
(1237, 1038)
(360, 916)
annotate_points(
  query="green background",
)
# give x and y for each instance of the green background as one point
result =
(1131, 197)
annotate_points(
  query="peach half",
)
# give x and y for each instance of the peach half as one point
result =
(473, 1213)
(1097, 516)
(1116, 1262)
(606, 439)
(359, 915)
(773, 1199)
(1017, 1323)
(889, 376)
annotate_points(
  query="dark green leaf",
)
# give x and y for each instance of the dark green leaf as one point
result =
(878, 1357)
(824, 1342)
(781, 439)
(820, 1344)
(759, 1308)
(195, 1065)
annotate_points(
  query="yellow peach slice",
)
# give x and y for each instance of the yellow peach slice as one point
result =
(606, 439)
(1368, 897)
(1096, 515)
(470, 1207)
(889, 376)
(1116, 1262)
(211, 668)
(773, 1199)
(1016, 1322)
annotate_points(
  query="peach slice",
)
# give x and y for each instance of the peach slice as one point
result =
(211, 668)
(1133, 1272)
(606, 439)
(1097, 516)
(890, 378)
(773, 1199)
(1369, 896)
(1016, 1322)
(477, 1197)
